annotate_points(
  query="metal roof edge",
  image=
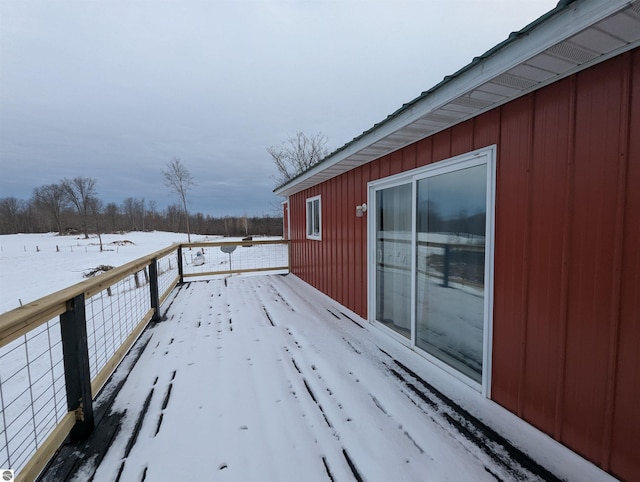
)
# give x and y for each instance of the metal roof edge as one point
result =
(567, 19)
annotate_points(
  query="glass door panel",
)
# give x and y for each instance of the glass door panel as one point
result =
(393, 258)
(450, 253)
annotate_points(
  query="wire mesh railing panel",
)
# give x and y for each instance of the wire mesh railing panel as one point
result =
(112, 315)
(229, 258)
(32, 393)
(167, 272)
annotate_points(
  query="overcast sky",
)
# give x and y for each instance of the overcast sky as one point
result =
(115, 89)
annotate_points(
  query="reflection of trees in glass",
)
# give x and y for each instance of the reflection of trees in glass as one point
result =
(451, 216)
(470, 224)
(460, 265)
(434, 220)
(394, 209)
(393, 252)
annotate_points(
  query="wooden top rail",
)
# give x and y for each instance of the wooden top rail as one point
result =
(466, 247)
(19, 321)
(234, 243)
(436, 244)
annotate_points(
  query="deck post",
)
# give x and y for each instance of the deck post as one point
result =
(73, 328)
(153, 288)
(180, 270)
(446, 262)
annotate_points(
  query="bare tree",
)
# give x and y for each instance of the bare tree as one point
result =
(179, 180)
(142, 212)
(53, 200)
(10, 211)
(78, 191)
(111, 212)
(245, 223)
(20, 216)
(173, 213)
(297, 154)
(152, 214)
(95, 208)
(130, 208)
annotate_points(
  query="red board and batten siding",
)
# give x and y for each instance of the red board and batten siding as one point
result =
(624, 437)
(566, 348)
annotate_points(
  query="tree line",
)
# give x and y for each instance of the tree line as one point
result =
(72, 206)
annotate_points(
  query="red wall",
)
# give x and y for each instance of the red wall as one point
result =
(566, 348)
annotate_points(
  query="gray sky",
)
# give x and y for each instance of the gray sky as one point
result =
(115, 89)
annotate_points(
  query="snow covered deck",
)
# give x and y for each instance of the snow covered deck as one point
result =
(264, 378)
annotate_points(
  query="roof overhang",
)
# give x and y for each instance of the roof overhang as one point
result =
(572, 37)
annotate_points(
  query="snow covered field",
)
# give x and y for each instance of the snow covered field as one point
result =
(35, 265)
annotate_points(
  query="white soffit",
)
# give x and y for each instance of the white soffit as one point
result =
(582, 34)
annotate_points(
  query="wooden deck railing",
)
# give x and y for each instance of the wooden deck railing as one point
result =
(57, 352)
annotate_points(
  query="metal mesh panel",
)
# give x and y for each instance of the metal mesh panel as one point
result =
(112, 315)
(32, 393)
(244, 256)
(167, 272)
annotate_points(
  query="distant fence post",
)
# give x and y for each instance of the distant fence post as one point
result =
(73, 328)
(153, 287)
(180, 271)
(447, 262)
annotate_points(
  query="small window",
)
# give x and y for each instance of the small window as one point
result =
(314, 221)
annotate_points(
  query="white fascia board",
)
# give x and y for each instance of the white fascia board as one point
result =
(563, 25)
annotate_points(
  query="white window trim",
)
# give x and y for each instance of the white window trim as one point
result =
(310, 201)
(481, 156)
(286, 205)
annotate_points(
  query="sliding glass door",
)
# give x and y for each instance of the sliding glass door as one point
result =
(431, 244)
(393, 258)
(451, 220)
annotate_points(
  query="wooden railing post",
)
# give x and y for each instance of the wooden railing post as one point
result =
(153, 287)
(446, 263)
(180, 270)
(77, 375)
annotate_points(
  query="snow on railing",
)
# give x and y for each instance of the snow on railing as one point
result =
(57, 352)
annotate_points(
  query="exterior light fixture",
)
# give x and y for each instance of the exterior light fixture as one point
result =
(360, 210)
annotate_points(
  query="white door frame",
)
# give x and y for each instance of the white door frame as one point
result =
(485, 156)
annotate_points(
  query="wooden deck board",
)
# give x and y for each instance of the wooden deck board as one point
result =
(263, 378)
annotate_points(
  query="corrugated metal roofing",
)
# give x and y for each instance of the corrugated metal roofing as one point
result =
(571, 37)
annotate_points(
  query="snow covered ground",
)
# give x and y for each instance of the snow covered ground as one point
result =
(35, 265)
(264, 378)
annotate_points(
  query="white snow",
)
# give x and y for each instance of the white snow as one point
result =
(31, 266)
(35, 265)
(234, 372)
(235, 369)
